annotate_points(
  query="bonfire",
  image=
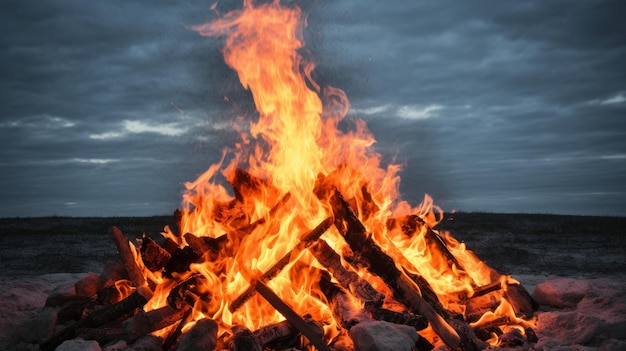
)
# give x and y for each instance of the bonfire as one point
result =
(298, 237)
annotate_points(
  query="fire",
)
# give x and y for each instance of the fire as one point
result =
(285, 153)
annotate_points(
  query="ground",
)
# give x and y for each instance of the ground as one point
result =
(39, 254)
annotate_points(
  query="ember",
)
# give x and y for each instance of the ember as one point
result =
(311, 240)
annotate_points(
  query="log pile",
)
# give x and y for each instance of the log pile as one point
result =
(107, 311)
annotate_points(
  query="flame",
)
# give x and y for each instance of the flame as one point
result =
(272, 205)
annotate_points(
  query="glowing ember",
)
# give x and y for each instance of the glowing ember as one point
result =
(283, 173)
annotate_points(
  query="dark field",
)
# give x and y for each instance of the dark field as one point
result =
(514, 244)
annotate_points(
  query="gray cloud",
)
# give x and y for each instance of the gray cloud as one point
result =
(107, 108)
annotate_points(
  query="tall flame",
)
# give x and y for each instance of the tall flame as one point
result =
(295, 140)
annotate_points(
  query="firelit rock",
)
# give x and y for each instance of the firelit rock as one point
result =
(88, 285)
(79, 345)
(561, 293)
(383, 336)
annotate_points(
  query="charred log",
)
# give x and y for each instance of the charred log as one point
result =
(202, 336)
(143, 323)
(331, 260)
(122, 245)
(382, 314)
(273, 271)
(100, 317)
(314, 336)
(382, 265)
(277, 336)
(154, 257)
(180, 261)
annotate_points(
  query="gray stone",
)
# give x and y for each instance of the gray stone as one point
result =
(37, 327)
(561, 293)
(79, 345)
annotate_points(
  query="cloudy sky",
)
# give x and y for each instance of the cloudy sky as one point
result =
(108, 107)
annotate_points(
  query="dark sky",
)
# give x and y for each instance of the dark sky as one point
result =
(107, 107)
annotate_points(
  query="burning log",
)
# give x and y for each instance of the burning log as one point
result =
(380, 264)
(328, 258)
(383, 314)
(342, 310)
(100, 317)
(244, 340)
(313, 335)
(273, 271)
(154, 257)
(276, 333)
(121, 243)
(180, 261)
(412, 224)
(143, 323)
(174, 336)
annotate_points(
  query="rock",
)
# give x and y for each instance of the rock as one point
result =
(88, 285)
(116, 346)
(147, 343)
(37, 327)
(61, 295)
(561, 293)
(78, 345)
(569, 327)
(383, 336)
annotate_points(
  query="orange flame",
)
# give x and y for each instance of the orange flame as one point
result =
(294, 140)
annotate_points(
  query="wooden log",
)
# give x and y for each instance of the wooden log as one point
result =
(382, 265)
(202, 336)
(143, 323)
(351, 281)
(243, 340)
(273, 271)
(173, 337)
(180, 261)
(122, 245)
(343, 311)
(270, 335)
(382, 314)
(100, 317)
(154, 257)
(283, 308)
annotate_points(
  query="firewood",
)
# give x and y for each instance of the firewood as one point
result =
(174, 335)
(122, 245)
(153, 255)
(339, 301)
(196, 244)
(362, 289)
(275, 333)
(244, 340)
(520, 299)
(180, 261)
(88, 285)
(143, 323)
(410, 225)
(273, 271)
(202, 336)
(283, 308)
(382, 265)
(100, 317)
(382, 314)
